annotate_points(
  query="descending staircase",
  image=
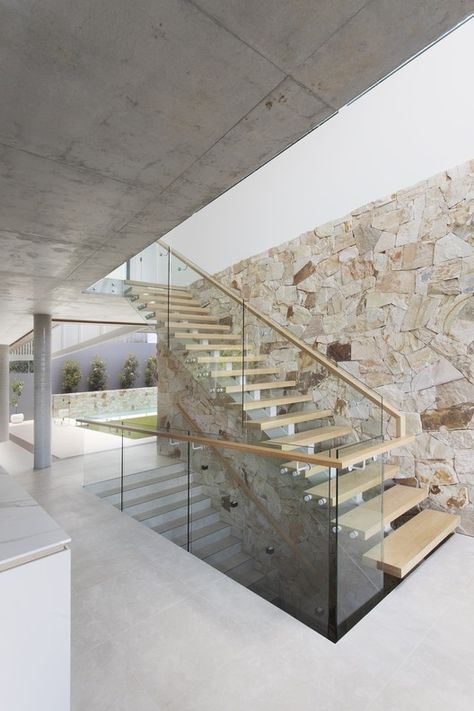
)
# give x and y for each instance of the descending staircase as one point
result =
(158, 498)
(212, 351)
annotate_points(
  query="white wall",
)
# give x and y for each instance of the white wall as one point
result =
(416, 123)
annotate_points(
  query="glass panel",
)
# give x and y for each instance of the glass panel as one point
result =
(358, 523)
(259, 528)
(102, 458)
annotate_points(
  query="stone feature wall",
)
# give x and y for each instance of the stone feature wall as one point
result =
(105, 403)
(388, 292)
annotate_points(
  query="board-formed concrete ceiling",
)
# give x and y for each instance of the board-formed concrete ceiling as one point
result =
(120, 119)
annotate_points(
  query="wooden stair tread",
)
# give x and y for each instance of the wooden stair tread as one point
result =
(407, 546)
(291, 418)
(231, 359)
(367, 517)
(271, 385)
(305, 439)
(215, 347)
(163, 301)
(208, 336)
(234, 373)
(198, 326)
(275, 402)
(353, 483)
(185, 318)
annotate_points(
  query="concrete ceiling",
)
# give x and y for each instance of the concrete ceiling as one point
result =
(120, 119)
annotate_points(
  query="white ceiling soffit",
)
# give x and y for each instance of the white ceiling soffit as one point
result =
(118, 120)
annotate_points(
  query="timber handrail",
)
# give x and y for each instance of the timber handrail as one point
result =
(336, 462)
(245, 488)
(316, 355)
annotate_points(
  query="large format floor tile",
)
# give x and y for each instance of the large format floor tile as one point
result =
(155, 629)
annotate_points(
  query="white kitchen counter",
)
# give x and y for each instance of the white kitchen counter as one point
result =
(35, 605)
(27, 532)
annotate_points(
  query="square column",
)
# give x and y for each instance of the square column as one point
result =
(42, 387)
(4, 392)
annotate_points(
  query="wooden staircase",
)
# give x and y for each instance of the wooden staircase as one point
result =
(360, 491)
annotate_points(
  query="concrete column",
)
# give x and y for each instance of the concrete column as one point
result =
(4, 392)
(42, 380)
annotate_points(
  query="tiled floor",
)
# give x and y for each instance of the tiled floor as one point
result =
(155, 629)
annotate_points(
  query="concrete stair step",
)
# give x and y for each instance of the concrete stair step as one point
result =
(217, 551)
(146, 502)
(207, 535)
(179, 526)
(169, 512)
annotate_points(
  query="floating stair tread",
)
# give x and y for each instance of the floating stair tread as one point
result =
(161, 510)
(206, 551)
(367, 518)
(207, 336)
(275, 402)
(311, 471)
(201, 533)
(305, 439)
(408, 545)
(139, 484)
(162, 301)
(231, 359)
(272, 385)
(199, 326)
(353, 483)
(291, 418)
(215, 347)
(187, 318)
(183, 520)
(234, 373)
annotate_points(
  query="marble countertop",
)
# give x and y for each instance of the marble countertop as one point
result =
(27, 532)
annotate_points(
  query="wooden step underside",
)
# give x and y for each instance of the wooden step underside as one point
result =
(208, 336)
(232, 359)
(274, 402)
(403, 549)
(185, 317)
(368, 519)
(221, 373)
(353, 483)
(307, 439)
(215, 347)
(292, 418)
(161, 302)
(198, 327)
(249, 387)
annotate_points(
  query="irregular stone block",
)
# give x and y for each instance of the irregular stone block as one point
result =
(436, 374)
(456, 417)
(339, 351)
(307, 270)
(451, 247)
(402, 282)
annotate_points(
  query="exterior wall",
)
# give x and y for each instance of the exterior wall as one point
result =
(388, 291)
(105, 402)
(114, 355)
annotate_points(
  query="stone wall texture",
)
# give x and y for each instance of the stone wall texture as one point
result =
(104, 403)
(388, 292)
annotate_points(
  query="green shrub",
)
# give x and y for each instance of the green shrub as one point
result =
(97, 378)
(151, 372)
(17, 389)
(71, 376)
(129, 372)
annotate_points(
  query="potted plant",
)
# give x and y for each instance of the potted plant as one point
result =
(97, 379)
(151, 372)
(17, 389)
